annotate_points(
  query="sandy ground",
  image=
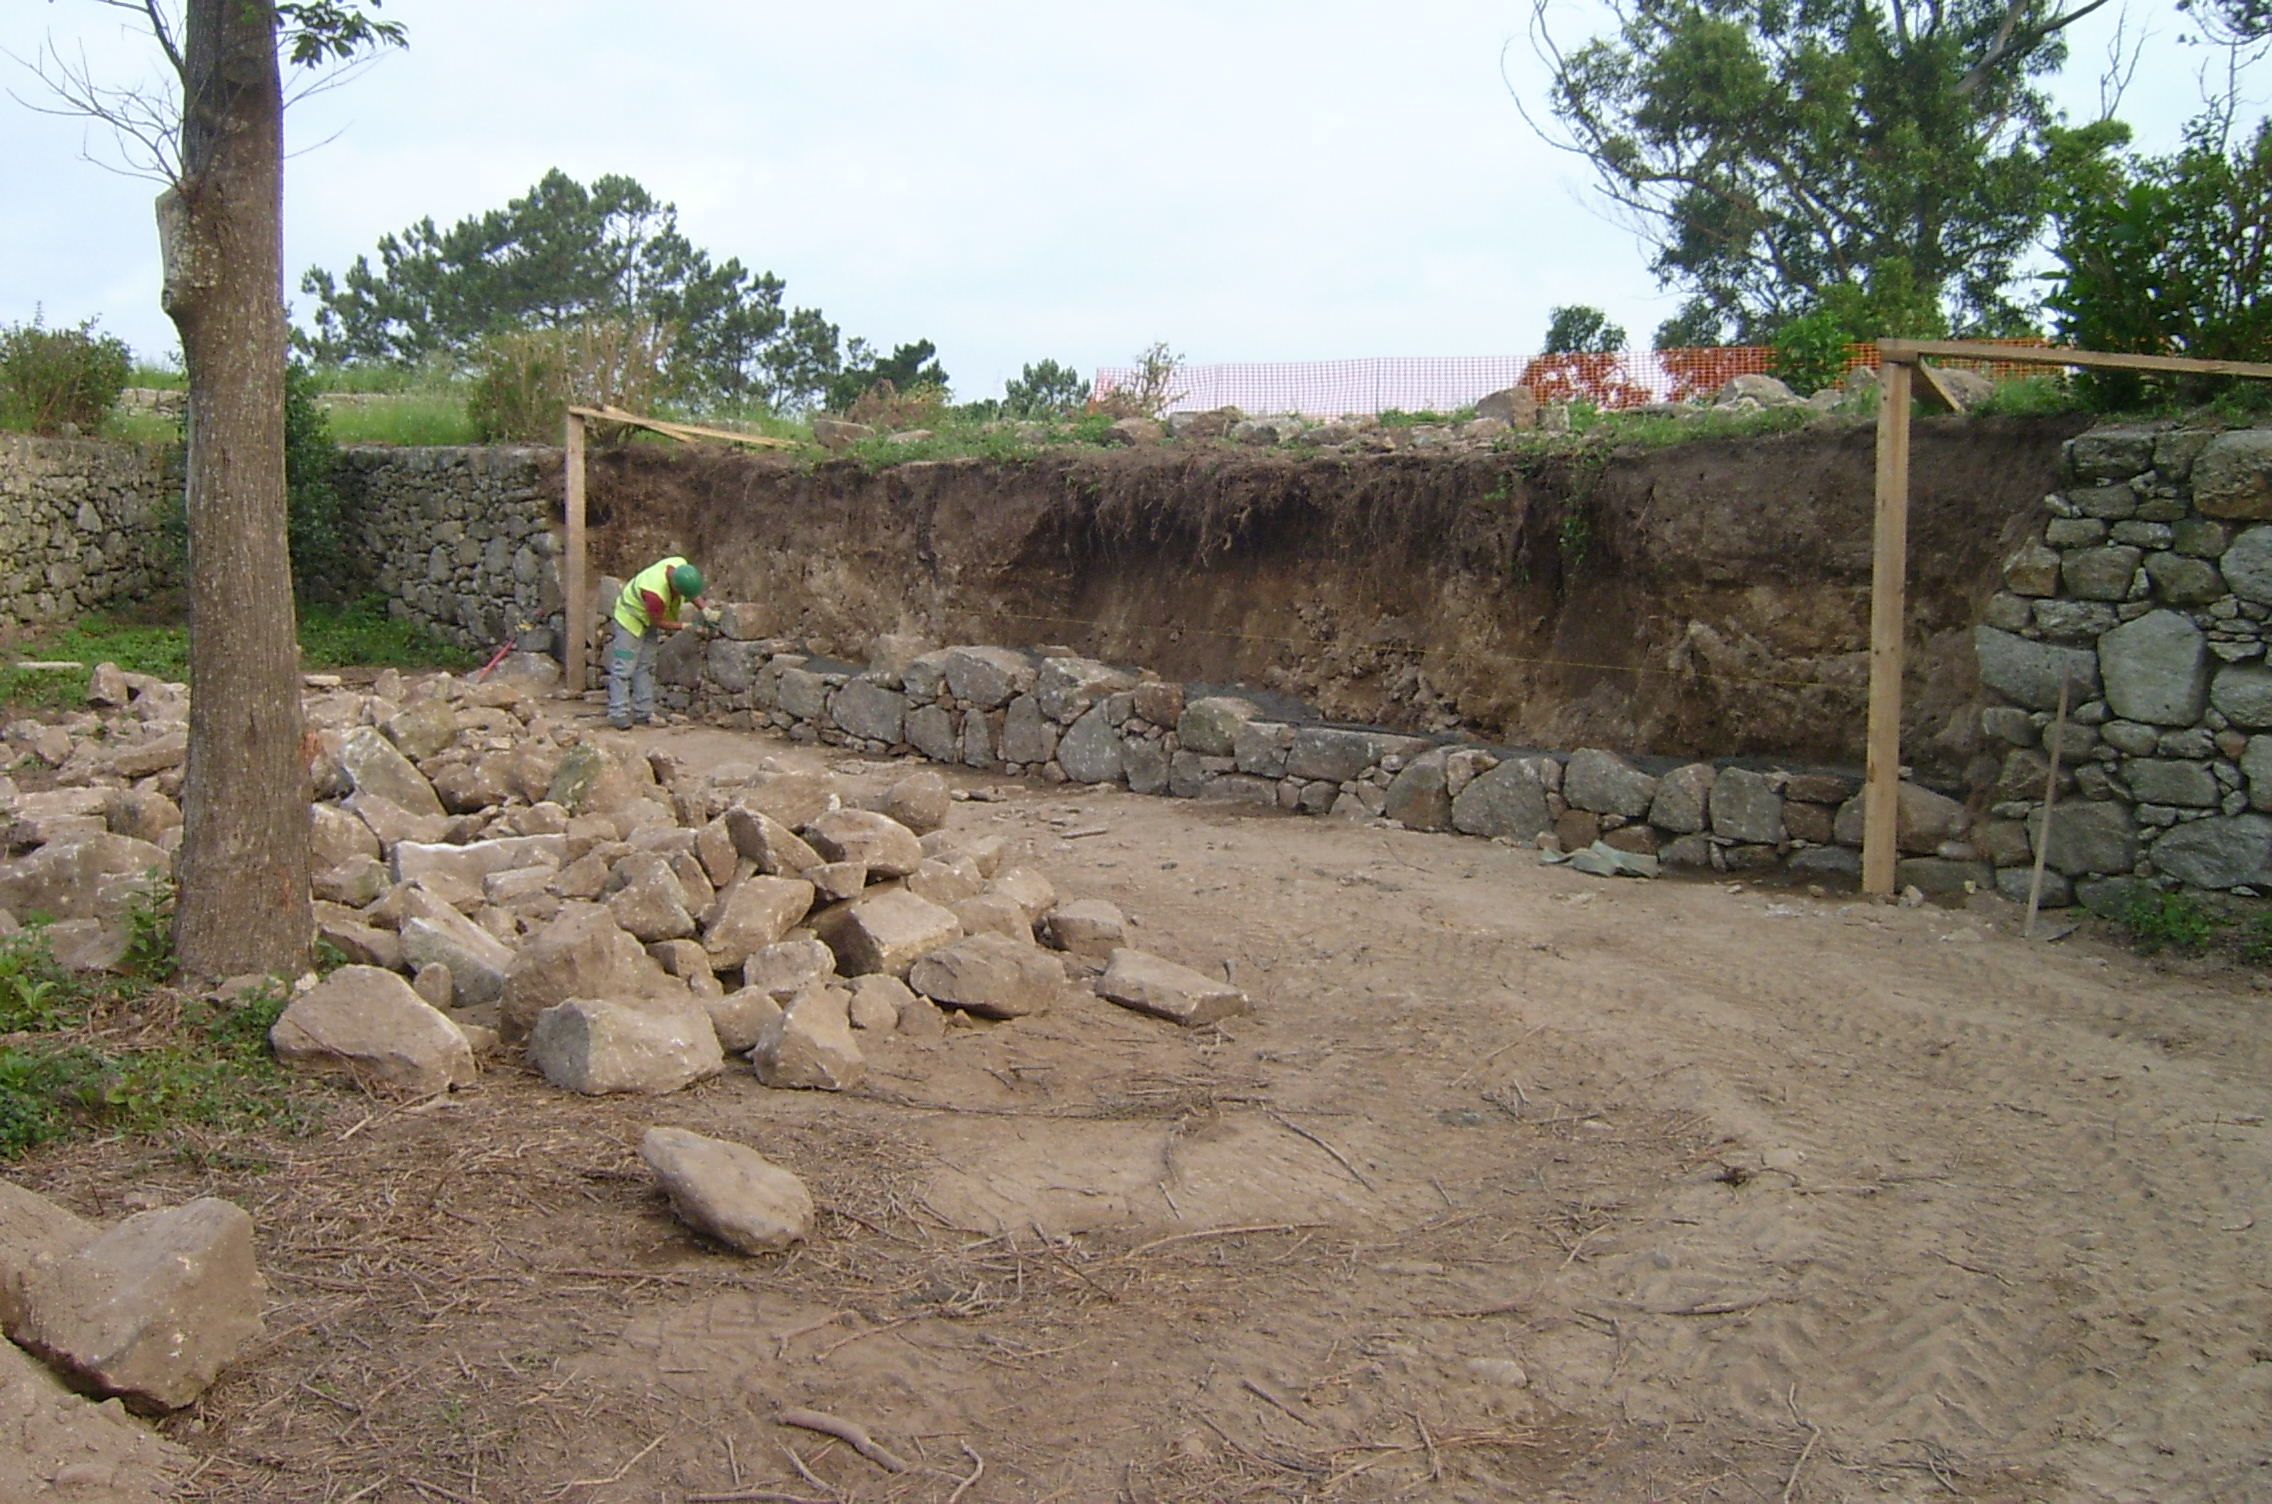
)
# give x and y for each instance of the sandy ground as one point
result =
(1516, 1184)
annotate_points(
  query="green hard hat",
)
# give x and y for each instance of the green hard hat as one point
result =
(687, 581)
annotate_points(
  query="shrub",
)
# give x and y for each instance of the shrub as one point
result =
(316, 516)
(883, 406)
(1810, 352)
(2168, 256)
(2174, 921)
(526, 379)
(1153, 391)
(55, 379)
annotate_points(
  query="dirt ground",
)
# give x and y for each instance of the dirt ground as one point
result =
(1516, 1184)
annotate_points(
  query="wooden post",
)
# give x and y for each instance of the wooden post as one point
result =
(1889, 567)
(576, 609)
(2050, 797)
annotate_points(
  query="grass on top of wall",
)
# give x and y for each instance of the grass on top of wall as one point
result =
(357, 635)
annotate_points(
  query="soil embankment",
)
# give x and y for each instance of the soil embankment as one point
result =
(1710, 598)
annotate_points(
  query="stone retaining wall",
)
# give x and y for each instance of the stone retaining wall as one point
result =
(2147, 589)
(82, 525)
(461, 540)
(1070, 719)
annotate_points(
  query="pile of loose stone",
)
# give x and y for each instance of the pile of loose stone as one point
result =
(495, 879)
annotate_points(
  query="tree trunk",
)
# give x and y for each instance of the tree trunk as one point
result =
(242, 876)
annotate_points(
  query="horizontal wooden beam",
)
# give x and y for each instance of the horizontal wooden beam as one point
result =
(1910, 351)
(683, 432)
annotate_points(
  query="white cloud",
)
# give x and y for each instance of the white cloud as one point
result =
(1013, 179)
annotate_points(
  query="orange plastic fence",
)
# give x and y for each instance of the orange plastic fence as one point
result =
(1626, 379)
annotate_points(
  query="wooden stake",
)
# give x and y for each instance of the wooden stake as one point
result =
(1889, 567)
(2050, 797)
(576, 611)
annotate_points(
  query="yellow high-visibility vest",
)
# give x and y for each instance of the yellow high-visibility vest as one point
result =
(656, 579)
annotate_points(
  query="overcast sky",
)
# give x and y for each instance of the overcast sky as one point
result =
(1013, 179)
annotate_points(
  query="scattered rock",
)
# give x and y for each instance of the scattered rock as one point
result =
(810, 1047)
(728, 1192)
(1089, 927)
(888, 930)
(1149, 984)
(883, 845)
(989, 975)
(371, 1022)
(151, 1309)
(594, 1046)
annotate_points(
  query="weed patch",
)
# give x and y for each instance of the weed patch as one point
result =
(82, 1055)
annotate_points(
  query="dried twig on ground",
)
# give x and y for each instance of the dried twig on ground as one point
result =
(850, 1433)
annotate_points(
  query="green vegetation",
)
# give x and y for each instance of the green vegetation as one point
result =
(2168, 255)
(1397, 417)
(2031, 397)
(1581, 329)
(357, 634)
(54, 381)
(2168, 921)
(415, 418)
(88, 1054)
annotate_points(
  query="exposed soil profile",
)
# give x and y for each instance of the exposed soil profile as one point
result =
(1706, 599)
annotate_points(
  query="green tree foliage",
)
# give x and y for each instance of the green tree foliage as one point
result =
(1044, 389)
(2168, 255)
(906, 368)
(315, 520)
(1880, 157)
(1581, 330)
(50, 378)
(561, 254)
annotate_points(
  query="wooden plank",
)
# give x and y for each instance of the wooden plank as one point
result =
(1934, 395)
(1889, 568)
(685, 432)
(576, 610)
(1903, 351)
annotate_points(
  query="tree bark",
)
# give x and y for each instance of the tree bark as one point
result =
(242, 875)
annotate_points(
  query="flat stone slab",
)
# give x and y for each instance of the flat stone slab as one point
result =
(992, 976)
(1151, 984)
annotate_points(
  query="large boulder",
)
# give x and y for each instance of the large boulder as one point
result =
(423, 728)
(595, 1047)
(920, 801)
(1210, 726)
(2029, 673)
(376, 767)
(1150, 984)
(991, 976)
(2156, 669)
(810, 1046)
(1607, 784)
(869, 711)
(84, 877)
(783, 970)
(1746, 808)
(582, 952)
(888, 931)
(988, 676)
(751, 914)
(478, 960)
(1066, 687)
(151, 1309)
(2232, 477)
(2221, 852)
(777, 850)
(1090, 752)
(728, 1192)
(413, 861)
(1419, 797)
(371, 1023)
(1089, 928)
(1684, 799)
(878, 842)
(1509, 802)
(648, 900)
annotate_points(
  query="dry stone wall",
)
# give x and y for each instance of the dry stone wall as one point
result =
(82, 525)
(2147, 591)
(461, 540)
(1071, 719)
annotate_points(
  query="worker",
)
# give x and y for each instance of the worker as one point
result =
(647, 608)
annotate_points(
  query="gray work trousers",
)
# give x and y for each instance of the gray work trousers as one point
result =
(631, 676)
